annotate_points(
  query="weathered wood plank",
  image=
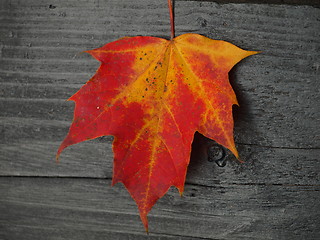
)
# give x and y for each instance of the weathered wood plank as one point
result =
(94, 159)
(20, 92)
(86, 209)
(274, 195)
(293, 2)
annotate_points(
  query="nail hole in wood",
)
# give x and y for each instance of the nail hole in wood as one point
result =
(217, 154)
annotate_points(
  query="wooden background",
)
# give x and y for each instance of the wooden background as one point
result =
(273, 195)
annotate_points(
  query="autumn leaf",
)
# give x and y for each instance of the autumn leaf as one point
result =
(152, 95)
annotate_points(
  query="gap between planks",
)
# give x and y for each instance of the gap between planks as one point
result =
(186, 183)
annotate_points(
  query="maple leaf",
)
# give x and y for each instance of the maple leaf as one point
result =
(152, 95)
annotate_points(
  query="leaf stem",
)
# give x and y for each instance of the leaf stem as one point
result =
(171, 18)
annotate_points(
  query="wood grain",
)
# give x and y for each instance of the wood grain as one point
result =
(90, 209)
(93, 159)
(290, 2)
(273, 195)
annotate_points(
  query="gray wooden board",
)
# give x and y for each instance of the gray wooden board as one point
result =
(94, 159)
(291, 2)
(91, 209)
(271, 196)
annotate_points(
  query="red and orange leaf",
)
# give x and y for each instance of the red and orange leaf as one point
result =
(152, 95)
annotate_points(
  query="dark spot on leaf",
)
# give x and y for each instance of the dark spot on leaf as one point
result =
(140, 58)
(146, 89)
(52, 6)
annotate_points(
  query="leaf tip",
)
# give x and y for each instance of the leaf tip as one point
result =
(236, 154)
(87, 51)
(61, 148)
(240, 160)
(57, 158)
(181, 190)
(245, 53)
(253, 52)
(144, 219)
(234, 151)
